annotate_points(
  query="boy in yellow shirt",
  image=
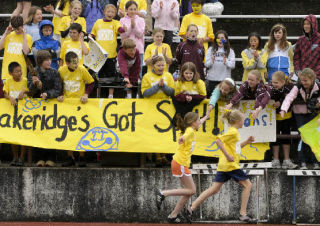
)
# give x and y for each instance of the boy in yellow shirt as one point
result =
(142, 7)
(75, 44)
(105, 31)
(16, 44)
(15, 88)
(75, 77)
(202, 21)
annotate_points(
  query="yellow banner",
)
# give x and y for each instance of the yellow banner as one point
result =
(116, 125)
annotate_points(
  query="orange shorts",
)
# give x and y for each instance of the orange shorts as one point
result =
(178, 170)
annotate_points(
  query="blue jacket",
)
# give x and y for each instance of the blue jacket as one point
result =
(48, 43)
(93, 11)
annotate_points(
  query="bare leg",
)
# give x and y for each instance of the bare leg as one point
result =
(82, 153)
(276, 152)
(286, 151)
(188, 190)
(15, 150)
(70, 154)
(25, 10)
(23, 151)
(206, 194)
(111, 91)
(246, 185)
(18, 10)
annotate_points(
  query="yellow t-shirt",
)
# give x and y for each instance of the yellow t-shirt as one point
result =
(13, 88)
(203, 23)
(13, 52)
(74, 81)
(142, 5)
(191, 88)
(150, 79)
(231, 142)
(184, 152)
(56, 21)
(106, 35)
(74, 46)
(151, 49)
(66, 22)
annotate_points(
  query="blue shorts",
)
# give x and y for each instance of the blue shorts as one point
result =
(237, 175)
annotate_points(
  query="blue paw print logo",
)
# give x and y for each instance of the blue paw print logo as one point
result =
(99, 139)
(31, 104)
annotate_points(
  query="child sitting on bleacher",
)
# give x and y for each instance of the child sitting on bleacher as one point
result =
(15, 88)
(134, 28)
(75, 44)
(158, 48)
(74, 17)
(203, 22)
(254, 57)
(129, 64)
(278, 89)
(142, 7)
(77, 83)
(191, 50)
(16, 44)
(220, 60)
(305, 97)
(45, 84)
(252, 89)
(166, 15)
(105, 32)
(47, 42)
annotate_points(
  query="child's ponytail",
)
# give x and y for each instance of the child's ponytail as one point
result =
(232, 116)
(187, 121)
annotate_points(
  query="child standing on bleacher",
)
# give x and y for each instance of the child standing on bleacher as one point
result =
(253, 89)
(220, 60)
(16, 44)
(180, 166)
(75, 44)
(77, 83)
(166, 14)
(280, 53)
(254, 57)
(141, 7)
(278, 89)
(158, 48)
(203, 22)
(74, 17)
(47, 42)
(135, 26)
(129, 64)
(105, 31)
(191, 50)
(305, 97)
(15, 88)
(33, 21)
(228, 166)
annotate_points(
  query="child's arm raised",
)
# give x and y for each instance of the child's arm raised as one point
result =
(25, 47)
(248, 141)
(84, 47)
(221, 146)
(5, 34)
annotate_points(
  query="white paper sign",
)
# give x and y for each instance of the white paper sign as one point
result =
(96, 57)
(263, 128)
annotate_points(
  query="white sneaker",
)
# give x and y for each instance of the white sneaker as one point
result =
(287, 164)
(316, 166)
(303, 166)
(276, 164)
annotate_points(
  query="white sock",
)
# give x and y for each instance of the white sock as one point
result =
(110, 96)
(129, 95)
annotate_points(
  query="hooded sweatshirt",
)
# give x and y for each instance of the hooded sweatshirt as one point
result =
(47, 43)
(307, 49)
(129, 67)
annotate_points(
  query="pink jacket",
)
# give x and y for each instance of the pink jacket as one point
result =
(136, 34)
(298, 108)
(165, 18)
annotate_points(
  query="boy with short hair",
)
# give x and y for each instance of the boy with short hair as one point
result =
(15, 88)
(129, 63)
(75, 44)
(105, 31)
(77, 83)
(202, 21)
(16, 45)
(48, 43)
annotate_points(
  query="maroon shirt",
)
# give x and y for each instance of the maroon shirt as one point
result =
(191, 51)
(307, 49)
(129, 67)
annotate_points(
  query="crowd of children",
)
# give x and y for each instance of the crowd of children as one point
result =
(53, 51)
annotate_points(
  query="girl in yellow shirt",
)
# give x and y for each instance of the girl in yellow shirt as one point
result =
(180, 166)
(228, 166)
